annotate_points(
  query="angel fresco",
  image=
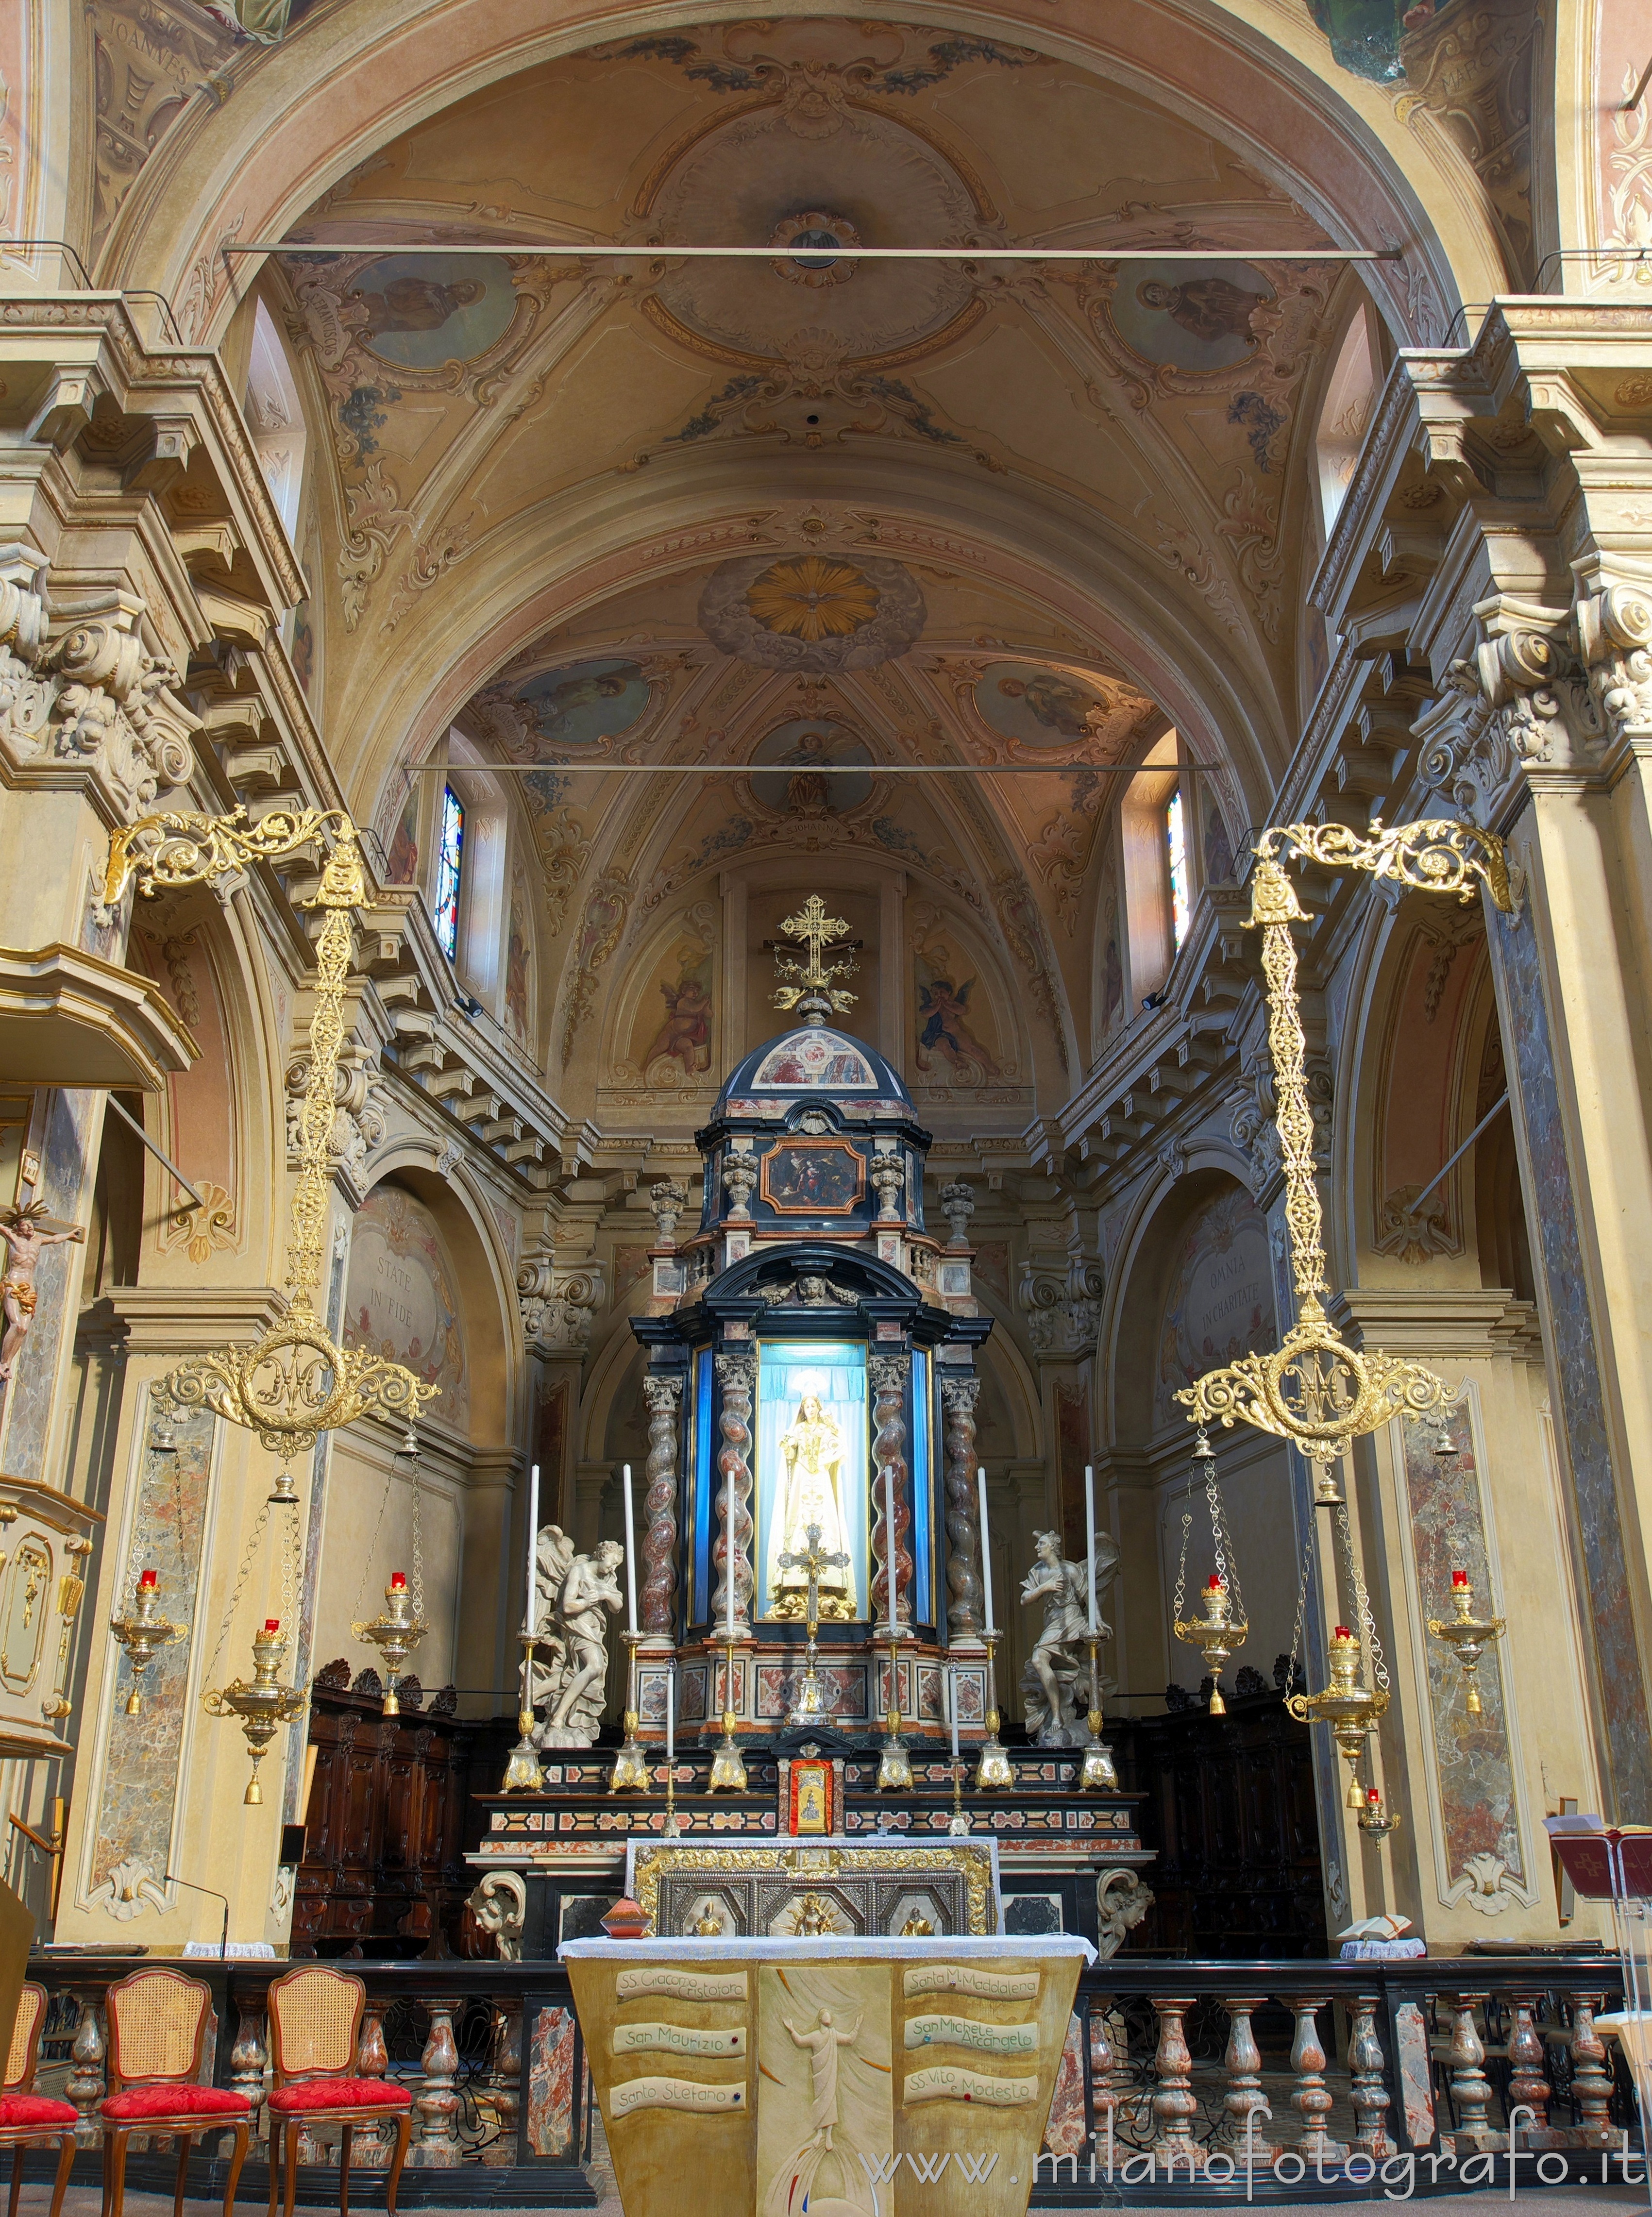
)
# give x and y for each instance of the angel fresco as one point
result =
(684, 1037)
(943, 1029)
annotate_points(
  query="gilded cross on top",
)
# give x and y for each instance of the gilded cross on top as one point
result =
(815, 979)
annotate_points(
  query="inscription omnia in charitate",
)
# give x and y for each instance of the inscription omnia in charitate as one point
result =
(793, 2190)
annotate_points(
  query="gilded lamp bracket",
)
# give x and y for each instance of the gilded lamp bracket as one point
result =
(1314, 1389)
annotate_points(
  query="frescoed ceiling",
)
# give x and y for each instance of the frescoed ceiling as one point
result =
(878, 460)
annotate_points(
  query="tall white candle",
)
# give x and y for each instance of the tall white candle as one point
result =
(891, 1550)
(985, 1549)
(533, 1545)
(1090, 1538)
(670, 1715)
(730, 1558)
(952, 1707)
(630, 1551)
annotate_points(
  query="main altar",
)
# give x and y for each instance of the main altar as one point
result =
(811, 1722)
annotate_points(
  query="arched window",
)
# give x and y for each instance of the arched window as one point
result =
(450, 871)
(275, 418)
(1349, 399)
(1176, 864)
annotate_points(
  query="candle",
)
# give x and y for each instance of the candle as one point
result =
(670, 1715)
(985, 1547)
(1459, 1578)
(398, 1580)
(1213, 1583)
(630, 1552)
(729, 1558)
(148, 1578)
(1342, 1633)
(533, 1546)
(272, 1624)
(891, 1549)
(1373, 1797)
(952, 1707)
(1090, 1539)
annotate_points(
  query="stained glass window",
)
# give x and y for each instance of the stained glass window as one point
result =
(1175, 854)
(449, 861)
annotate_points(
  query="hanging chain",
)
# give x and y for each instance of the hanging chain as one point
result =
(248, 1556)
(290, 1574)
(371, 1555)
(1181, 1567)
(418, 1539)
(1222, 1539)
(1362, 1603)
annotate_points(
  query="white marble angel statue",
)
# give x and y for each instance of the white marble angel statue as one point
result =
(574, 1596)
(1056, 1680)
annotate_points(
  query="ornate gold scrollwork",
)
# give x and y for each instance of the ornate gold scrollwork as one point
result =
(1435, 855)
(294, 1382)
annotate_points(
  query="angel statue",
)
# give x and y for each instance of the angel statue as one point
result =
(1056, 1680)
(571, 1594)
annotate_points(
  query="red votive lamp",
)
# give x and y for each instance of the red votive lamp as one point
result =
(1459, 1578)
(272, 1624)
(1373, 1797)
(1342, 1633)
(1213, 1583)
(399, 1579)
(149, 1579)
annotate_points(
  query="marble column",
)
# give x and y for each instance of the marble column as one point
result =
(958, 1399)
(663, 1397)
(732, 1551)
(888, 1375)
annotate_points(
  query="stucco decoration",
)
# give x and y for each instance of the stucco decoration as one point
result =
(402, 1297)
(1219, 1302)
(811, 611)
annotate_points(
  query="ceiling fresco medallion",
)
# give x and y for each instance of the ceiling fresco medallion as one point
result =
(583, 705)
(821, 235)
(1192, 316)
(812, 611)
(1040, 707)
(803, 749)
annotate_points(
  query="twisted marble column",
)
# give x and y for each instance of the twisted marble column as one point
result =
(732, 1553)
(958, 1398)
(664, 1397)
(888, 1376)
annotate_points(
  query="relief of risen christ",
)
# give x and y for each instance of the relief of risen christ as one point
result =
(812, 1456)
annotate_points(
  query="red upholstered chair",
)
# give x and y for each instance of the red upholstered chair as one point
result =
(157, 2019)
(315, 2022)
(26, 2118)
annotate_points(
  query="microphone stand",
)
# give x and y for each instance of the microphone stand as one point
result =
(171, 1878)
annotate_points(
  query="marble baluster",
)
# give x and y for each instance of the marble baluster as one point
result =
(1591, 2078)
(1528, 2078)
(1470, 2088)
(1174, 2103)
(664, 1399)
(372, 2150)
(888, 1375)
(1242, 2063)
(504, 2080)
(86, 2083)
(435, 2105)
(1370, 2095)
(248, 2057)
(732, 1552)
(958, 1398)
(1105, 2073)
(1312, 2097)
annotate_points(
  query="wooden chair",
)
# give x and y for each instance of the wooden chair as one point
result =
(315, 2022)
(157, 2019)
(28, 2119)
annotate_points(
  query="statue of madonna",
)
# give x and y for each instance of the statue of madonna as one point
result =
(812, 1456)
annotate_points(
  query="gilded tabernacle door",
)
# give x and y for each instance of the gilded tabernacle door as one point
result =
(812, 1459)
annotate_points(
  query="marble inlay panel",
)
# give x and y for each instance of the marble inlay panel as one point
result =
(138, 1789)
(1064, 2134)
(550, 2083)
(1576, 1360)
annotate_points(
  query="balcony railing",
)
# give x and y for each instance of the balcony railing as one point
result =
(1178, 2080)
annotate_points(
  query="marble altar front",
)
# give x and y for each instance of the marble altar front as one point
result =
(846, 2078)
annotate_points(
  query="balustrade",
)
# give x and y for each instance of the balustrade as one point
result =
(1189, 2069)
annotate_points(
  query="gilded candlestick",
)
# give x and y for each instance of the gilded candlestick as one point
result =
(895, 1764)
(728, 1764)
(630, 1772)
(1097, 1773)
(524, 1773)
(993, 1771)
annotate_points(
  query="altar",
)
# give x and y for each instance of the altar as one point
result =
(839, 2078)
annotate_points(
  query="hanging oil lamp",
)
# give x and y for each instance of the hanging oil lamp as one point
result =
(263, 1705)
(395, 1632)
(1467, 1635)
(1347, 1705)
(143, 1634)
(1214, 1635)
(1372, 1818)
